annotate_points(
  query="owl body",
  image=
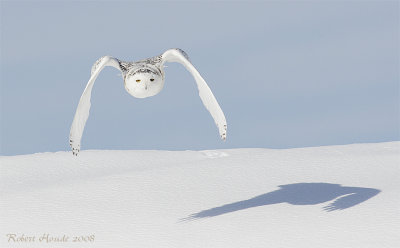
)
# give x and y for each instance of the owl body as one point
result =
(143, 79)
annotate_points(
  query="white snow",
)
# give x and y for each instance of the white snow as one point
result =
(334, 196)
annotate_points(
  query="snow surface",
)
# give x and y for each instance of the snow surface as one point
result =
(334, 196)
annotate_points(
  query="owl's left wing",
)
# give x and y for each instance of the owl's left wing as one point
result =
(82, 111)
(206, 96)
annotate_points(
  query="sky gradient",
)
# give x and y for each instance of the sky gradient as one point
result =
(286, 74)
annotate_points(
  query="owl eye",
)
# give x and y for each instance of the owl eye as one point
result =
(138, 80)
(152, 79)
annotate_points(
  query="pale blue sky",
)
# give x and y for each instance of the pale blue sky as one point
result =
(286, 74)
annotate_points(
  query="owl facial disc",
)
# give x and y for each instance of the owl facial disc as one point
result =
(144, 82)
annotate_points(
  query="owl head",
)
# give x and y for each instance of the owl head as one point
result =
(144, 81)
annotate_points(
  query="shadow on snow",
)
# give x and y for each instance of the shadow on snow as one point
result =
(298, 194)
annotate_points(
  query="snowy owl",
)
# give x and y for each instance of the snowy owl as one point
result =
(142, 79)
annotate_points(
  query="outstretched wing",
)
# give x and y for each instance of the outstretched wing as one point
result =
(206, 96)
(82, 112)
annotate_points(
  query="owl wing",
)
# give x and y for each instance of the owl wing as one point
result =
(206, 96)
(82, 111)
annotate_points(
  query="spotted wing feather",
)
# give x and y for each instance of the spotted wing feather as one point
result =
(82, 111)
(206, 95)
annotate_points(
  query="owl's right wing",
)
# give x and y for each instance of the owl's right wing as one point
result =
(82, 111)
(206, 96)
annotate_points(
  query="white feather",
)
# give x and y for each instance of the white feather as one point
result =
(82, 111)
(206, 95)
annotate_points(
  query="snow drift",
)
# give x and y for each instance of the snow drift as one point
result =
(336, 196)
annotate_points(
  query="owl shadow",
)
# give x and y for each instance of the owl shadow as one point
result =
(298, 194)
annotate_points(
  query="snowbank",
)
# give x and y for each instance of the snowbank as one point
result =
(336, 196)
